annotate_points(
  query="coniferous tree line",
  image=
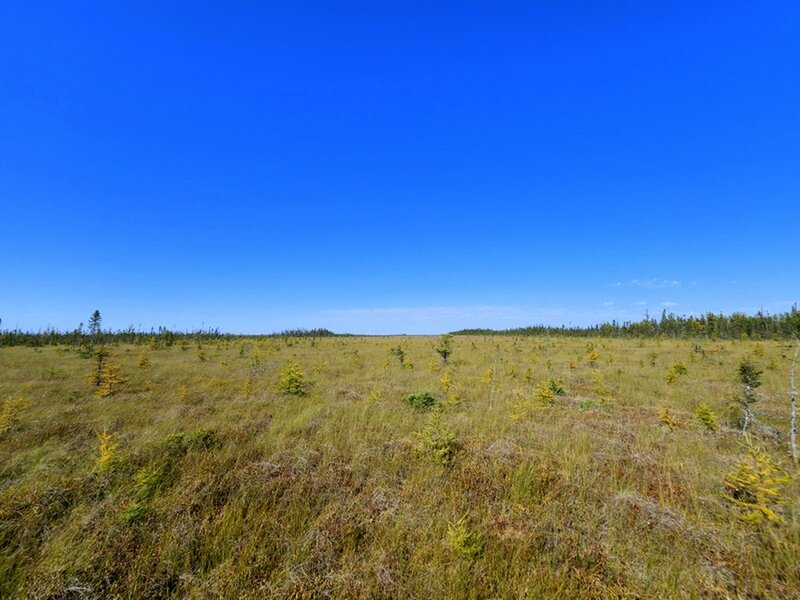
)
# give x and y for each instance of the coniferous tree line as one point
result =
(163, 337)
(737, 325)
(710, 325)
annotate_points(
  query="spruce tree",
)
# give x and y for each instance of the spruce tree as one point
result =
(94, 324)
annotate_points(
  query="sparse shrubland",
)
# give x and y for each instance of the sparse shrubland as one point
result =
(318, 466)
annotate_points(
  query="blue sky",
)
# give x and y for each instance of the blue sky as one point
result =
(396, 167)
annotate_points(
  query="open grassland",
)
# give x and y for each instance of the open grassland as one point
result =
(575, 468)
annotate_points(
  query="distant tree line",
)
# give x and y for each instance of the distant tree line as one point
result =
(714, 326)
(162, 336)
(312, 333)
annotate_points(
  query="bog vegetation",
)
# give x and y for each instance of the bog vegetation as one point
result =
(310, 465)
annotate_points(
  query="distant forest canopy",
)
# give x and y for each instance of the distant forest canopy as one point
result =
(715, 326)
(759, 326)
(161, 336)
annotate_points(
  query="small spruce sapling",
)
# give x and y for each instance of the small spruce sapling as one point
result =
(446, 382)
(675, 371)
(592, 357)
(292, 380)
(757, 485)
(106, 457)
(438, 441)
(750, 378)
(545, 393)
(445, 347)
(400, 354)
(462, 541)
(143, 360)
(96, 376)
(667, 418)
(706, 417)
(10, 412)
(422, 401)
(112, 380)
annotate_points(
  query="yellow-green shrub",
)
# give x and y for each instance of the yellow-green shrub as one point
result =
(462, 541)
(756, 484)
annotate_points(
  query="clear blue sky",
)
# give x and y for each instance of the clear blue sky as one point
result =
(389, 167)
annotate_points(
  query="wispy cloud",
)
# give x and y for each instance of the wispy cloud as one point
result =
(649, 283)
(667, 304)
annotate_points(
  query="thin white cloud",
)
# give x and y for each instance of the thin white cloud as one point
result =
(667, 304)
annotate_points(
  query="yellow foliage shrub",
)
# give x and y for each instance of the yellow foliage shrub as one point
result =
(756, 485)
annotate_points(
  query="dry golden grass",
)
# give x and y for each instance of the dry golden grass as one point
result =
(224, 485)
